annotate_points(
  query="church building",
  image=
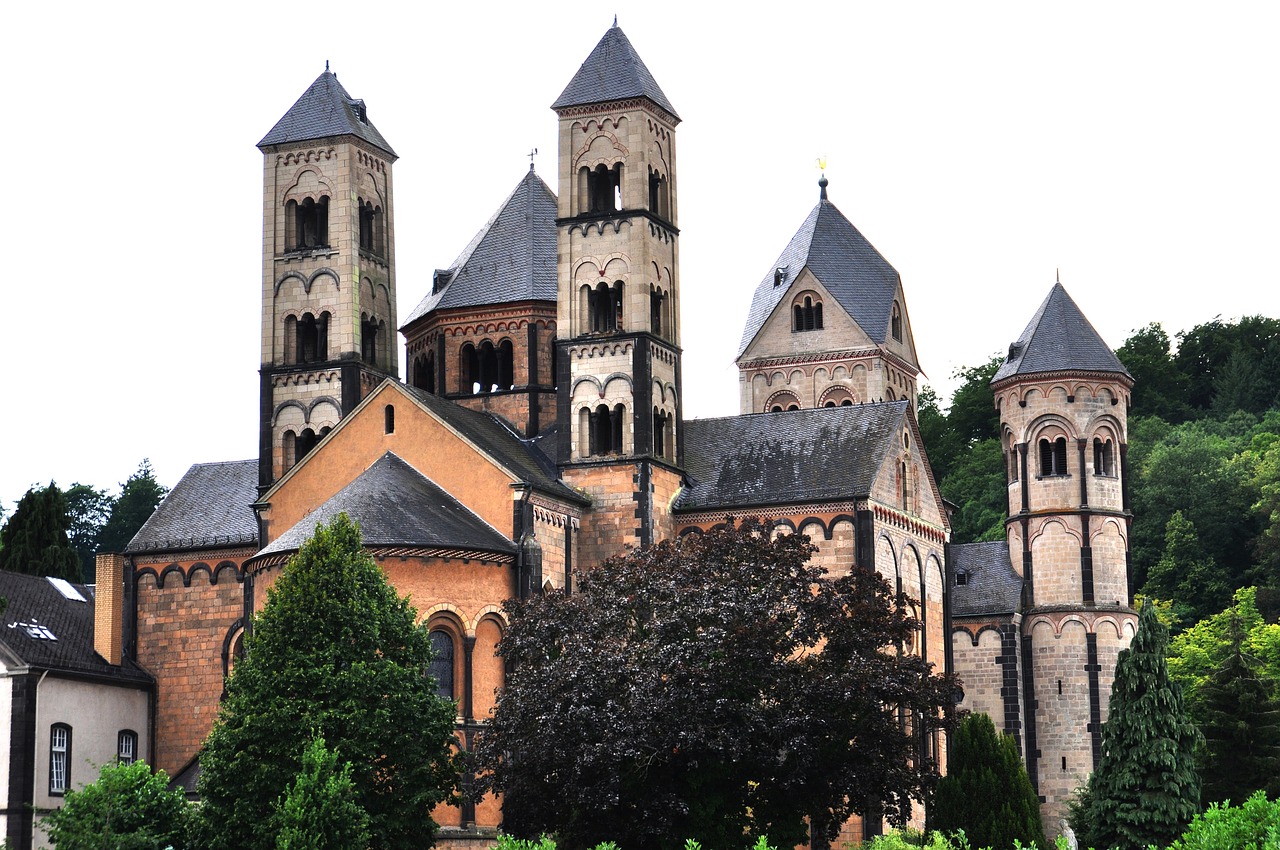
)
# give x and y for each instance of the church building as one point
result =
(540, 428)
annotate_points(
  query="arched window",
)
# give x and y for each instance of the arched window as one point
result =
(661, 433)
(896, 322)
(59, 759)
(371, 228)
(306, 442)
(604, 188)
(487, 375)
(469, 369)
(1012, 455)
(658, 194)
(605, 306)
(506, 365)
(807, 315)
(424, 372)
(441, 667)
(127, 746)
(310, 338)
(656, 303)
(290, 450)
(370, 345)
(389, 419)
(307, 224)
(1053, 457)
(605, 426)
(1103, 461)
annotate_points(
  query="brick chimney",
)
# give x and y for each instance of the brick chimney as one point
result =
(108, 607)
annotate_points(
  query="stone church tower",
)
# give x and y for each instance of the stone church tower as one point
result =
(328, 271)
(1062, 396)
(617, 351)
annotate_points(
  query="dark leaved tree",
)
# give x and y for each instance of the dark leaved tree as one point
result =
(138, 499)
(88, 510)
(127, 808)
(334, 653)
(34, 540)
(716, 687)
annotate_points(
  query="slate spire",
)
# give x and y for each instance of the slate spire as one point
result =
(1059, 339)
(325, 109)
(613, 71)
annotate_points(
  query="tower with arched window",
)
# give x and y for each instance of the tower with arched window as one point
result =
(328, 271)
(617, 329)
(1063, 396)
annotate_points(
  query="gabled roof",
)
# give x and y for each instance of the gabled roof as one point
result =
(325, 109)
(398, 506)
(512, 258)
(613, 71)
(208, 507)
(37, 610)
(793, 457)
(523, 458)
(842, 259)
(991, 585)
(1059, 338)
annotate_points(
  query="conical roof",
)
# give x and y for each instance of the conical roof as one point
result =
(325, 109)
(1059, 338)
(613, 71)
(842, 259)
(512, 258)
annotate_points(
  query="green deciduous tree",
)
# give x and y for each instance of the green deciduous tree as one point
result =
(34, 540)
(1159, 386)
(1252, 825)
(138, 498)
(976, 483)
(336, 653)
(1145, 788)
(320, 810)
(88, 510)
(982, 765)
(1186, 575)
(127, 808)
(716, 687)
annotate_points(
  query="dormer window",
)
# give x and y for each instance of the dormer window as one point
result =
(962, 578)
(806, 315)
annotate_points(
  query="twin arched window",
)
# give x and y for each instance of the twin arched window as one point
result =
(306, 339)
(602, 429)
(373, 237)
(601, 188)
(1103, 457)
(1053, 457)
(806, 315)
(604, 307)
(306, 224)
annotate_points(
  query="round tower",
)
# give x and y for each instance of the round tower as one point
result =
(1063, 397)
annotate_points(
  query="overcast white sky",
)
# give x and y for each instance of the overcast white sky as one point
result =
(979, 146)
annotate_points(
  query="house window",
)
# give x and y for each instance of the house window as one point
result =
(59, 758)
(1053, 457)
(441, 667)
(1103, 460)
(807, 315)
(896, 324)
(127, 746)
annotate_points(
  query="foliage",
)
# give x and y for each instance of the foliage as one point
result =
(1186, 575)
(983, 497)
(1240, 718)
(334, 653)
(1145, 788)
(126, 808)
(139, 496)
(1159, 386)
(1231, 366)
(982, 765)
(88, 510)
(680, 693)
(1201, 649)
(320, 811)
(1254, 825)
(1264, 480)
(34, 540)
(970, 418)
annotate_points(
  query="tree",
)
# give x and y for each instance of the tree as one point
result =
(139, 496)
(716, 687)
(976, 483)
(1159, 386)
(333, 653)
(982, 765)
(88, 510)
(1196, 653)
(1255, 823)
(1145, 788)
(1186, 575)
(1240, 718)
(320, 811)
(127, 808)
(34, 540)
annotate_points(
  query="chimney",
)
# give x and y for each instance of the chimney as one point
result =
(108, 607)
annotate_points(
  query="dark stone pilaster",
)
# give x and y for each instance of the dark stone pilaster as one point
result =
(1029, 705)
(1094, 670)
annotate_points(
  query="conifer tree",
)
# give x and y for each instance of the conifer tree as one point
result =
(336, 653)
(139, 496)
(34, 540)
(986, 791)
(1241, 726)
(1145, 788)
(320, 811)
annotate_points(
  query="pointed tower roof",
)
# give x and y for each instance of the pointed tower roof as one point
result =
(1059, 338)
(512, 258)
(613, 71)
(842, 259)
(325, 109)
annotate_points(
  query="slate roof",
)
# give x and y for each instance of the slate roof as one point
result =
(325, 109)
(34, 601)
(512, 258)
(842, 259)
(784, 458)
(992, 587)
(1059, 338)
(523, 457)
(208, 507)
(398, 506)
(613, 71)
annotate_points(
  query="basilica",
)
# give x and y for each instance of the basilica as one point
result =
(539, 428)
